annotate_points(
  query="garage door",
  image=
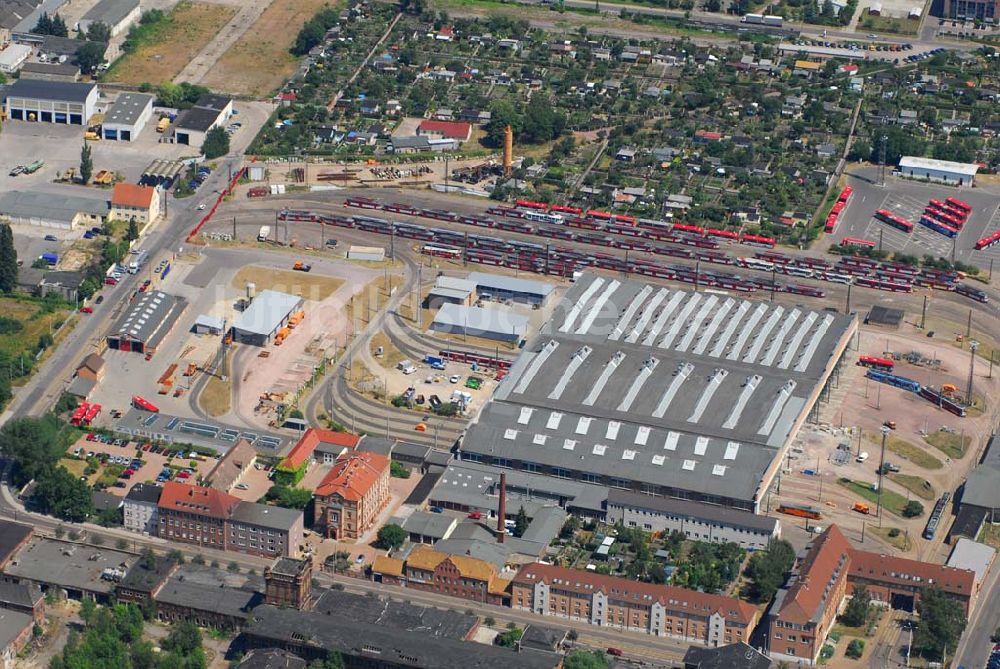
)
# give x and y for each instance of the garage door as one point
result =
(126, 135)
(17, 114)
(110, 134)
(76, 119)
(45, 117)
(60, 117)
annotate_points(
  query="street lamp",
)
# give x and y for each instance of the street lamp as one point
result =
(973, 345)
(881, 471)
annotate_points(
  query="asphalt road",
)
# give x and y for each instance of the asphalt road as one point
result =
(974, 647)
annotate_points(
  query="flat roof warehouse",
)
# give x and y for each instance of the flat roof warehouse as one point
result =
(672, 392)
(266, 313)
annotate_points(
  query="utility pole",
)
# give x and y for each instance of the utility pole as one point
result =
(968, 326)
(881, 472)
(392, 240)
(973, 345)
(847, 310)
(885, 140)
(234, 228)
(923, 313)
(880, 240)
(774, 283)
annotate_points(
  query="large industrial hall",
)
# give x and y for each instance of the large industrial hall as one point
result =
(666, 392)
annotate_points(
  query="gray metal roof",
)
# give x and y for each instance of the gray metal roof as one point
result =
(982, 488)
(479, 319)
(687, 390)
(150, 318)
(510, 284)
(968, 554)
(433, 525)
(73, 566)
(209, 589)
(127, 109)
(213, 101)
(64, 69)
(266, 312)
(262, 515)
(58, 91)
(110, 12)
(692, 510)
(49, 206)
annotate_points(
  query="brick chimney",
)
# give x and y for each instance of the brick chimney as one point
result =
(502, 509)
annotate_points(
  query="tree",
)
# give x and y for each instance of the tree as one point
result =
(8, 260)
(60, 494)
(520, 522)
(86, 164)
(855, 649)
(510, 638)
(90, 55)
(942, 622)
(183, 638)
(99, 32)
(288, 497)
(51, 26)
(59, 28)
(216, 143)
(586, 659)
(767, 569)
(398, 470)
(332, 661)
(391, 537)
(133, 231)
(913, 509)
(857, 609)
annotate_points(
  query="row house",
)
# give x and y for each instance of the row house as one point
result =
(453, 575)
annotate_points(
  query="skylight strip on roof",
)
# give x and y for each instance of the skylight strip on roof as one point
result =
(679, 378)
(553, 422)
(525, 415)
(671, 442)
(779, 403)
(760, 337)
(701, 446)
(647, 315)
(814, 341)
(574, 364)
(713, 325)
(613, 427)
(695, 327)
(602, 380)
(680, 320)
(735, 321)
(732, 448)
(747, 329)
(577, 308)
(706, 395)
(535, 365)
(775, 346)
(633, 307)
(796, 340)
(647, 369)
(662, 319)
(741, 402)
(595, 309)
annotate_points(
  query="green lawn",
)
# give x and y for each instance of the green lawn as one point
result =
(905, 449)
(901, 541)
(920, 487)
(951, 444)
(891, 500)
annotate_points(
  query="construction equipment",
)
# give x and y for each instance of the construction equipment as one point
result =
(300, 266)
(191, 369)
(861, 507)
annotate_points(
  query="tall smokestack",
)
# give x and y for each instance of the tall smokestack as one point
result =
(508, 151)
(502, 509)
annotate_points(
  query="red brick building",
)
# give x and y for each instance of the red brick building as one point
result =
(804, 611)
(350, 497)
(453, 575)
(193, 514)
(619, 603)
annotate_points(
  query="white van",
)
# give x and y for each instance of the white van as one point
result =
(406, 367)
(862, 456)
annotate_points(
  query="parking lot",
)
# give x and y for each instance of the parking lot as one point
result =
(908, 199)
(120, 455)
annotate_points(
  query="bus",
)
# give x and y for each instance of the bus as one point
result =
(758, 240)
(944, 217)
(988, 241)
(800, 510)
(958, 204)
(845, 194)
(142, 403)
(939, 227)
(894, 221)
(854, 241)
(884, 364)
(441, 251)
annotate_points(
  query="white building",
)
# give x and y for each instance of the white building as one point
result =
(50, 101)
(192, 125)
(914, 167)
(118, 15)
(13, 56)
(127, 116)
(141, 509)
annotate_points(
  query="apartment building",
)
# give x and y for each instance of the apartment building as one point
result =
(453, 575)
(619, 603)
(350, 497)
(140, 508)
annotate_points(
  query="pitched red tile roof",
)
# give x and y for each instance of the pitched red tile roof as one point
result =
(353, 475)
(899, 570)
(197, 499)
(827, 558)
(672, 597)
(312, 438)
(450, 129)
(132, 195)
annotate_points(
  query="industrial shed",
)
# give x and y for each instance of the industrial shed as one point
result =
(63, 102)
(127, 116)
(49, 210)
(450, 290)
(118, 15)
(268, 312)
(497, 287)
(192, 125)
(495, 324)
(143, 327)
(946, 171)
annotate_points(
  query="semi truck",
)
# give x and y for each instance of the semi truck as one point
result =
(762, 20)
(263, 233)
(136, 264)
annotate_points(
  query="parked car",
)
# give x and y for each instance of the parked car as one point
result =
(51, 238)
(86, 310)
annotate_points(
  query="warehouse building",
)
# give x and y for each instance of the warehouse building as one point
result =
(495, 324)
(496, 287)
(663, 392)
(13, 56)
(127, 116)
(144, 326)
(118, 15)
(944, 171)
(268, 312)
(49, 210)
(192, 125)
(50, 101)
(450, 290)
(50, 71)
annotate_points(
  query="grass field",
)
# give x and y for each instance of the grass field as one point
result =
(35, 321)
(190, 26)
(304, 284)
(391, 356)
(217, 394)
(951, 444)
(259, 62)
(905, 449)
(900, 541)
(891, 500)
(920, 487)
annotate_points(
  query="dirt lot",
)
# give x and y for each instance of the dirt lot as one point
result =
(316, 287)
(193, 25)
(259, 62)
